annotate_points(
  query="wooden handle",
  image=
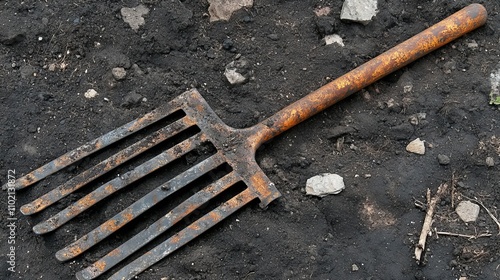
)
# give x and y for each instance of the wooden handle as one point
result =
(456, 25)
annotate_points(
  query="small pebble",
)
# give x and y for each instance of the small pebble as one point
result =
(416, 146)
(490, 162)
(443, 159)
(355, 267)
(273, 37)
(119, 73)
(211, 54)
(334, 39)
(467, 211)
(227, 44)
(91, 93)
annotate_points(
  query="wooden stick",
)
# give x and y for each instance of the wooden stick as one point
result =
(426, 228)
(463, 235)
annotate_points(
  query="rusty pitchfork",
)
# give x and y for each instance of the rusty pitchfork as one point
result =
(235, 147)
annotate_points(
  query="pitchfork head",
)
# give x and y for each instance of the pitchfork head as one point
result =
(234, 147)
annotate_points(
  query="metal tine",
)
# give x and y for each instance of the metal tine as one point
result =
(95, 145)
(118, 183)
(184, 236)
(107, 165)
(138, 207)
(159, 227)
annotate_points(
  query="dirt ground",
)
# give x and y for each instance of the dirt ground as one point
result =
(53, 52)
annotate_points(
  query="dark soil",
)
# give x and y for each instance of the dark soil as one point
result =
(52, 52)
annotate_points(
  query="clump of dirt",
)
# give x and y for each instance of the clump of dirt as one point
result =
(52, 53)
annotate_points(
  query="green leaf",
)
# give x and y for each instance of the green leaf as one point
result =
(494, 99)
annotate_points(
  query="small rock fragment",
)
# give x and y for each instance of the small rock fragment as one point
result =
(334, 38)
(416, 146)
(354, 267)
(227, 44)
(91, 93)
(324, 184)
(323, 11)
(27, 71)
(361, 11)
(236, 71)
(273, 36)
(417, 118)
(119, 73)
(223, 9)
(132, 99)
(234, 77)
(467, 211)
(137, 70)
(443, 159)
(449, 66)
(133, 16)
(472, 44)
(490, 162)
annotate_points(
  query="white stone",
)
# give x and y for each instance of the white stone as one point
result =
(119, 73)
(234, 71)
(133, 16)
(223, 9)
(361, 11)
(490, 162)
(91, 93)
(324, 184)
(416, 146)
(467, 211)
(334, 38)
(234, 77)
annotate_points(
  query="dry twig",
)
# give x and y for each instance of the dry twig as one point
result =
(426, 228)
(463, 235)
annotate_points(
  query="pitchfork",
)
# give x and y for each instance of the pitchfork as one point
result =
(234, 147)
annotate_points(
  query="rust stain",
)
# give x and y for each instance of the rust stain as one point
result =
(86, 201)
(176, 238)
(99, 265)
(127, 216)
(196, 227)
(109, 226)
(408, 51)
(140, 122)
(73, 251)
(109, 188)
(115, 252)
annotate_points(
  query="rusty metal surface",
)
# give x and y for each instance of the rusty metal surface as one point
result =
(184, 236)
(107, 165)
(94, 146)
(138, 207)
(436, 36)
(236, 147)
(159, 227)
(118, 183)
